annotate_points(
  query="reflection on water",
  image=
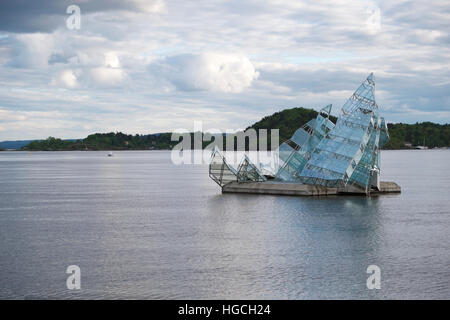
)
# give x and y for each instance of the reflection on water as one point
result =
(140, 227)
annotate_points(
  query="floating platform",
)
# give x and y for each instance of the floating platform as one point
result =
(297, 189)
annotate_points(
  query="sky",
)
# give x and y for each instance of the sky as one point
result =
(156, 66)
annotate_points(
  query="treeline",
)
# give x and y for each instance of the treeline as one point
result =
(429, 134)
(121, 141)
(105, 141)
(287, 121)
(50, 144)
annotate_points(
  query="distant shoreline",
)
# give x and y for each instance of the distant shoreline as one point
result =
(401, 136)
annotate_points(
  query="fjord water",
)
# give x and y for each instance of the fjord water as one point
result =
(140, 227)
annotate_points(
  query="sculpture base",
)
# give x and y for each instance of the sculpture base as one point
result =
(296, 189)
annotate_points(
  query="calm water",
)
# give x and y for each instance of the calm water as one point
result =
(140, 227)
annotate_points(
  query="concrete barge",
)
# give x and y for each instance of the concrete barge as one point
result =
(296, 189)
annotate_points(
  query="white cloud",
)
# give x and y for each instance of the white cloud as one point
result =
(66, 78)
(111, 60)
(206, 71)
(155, 6)
(90, 70)
(109, 74)
(103, 76)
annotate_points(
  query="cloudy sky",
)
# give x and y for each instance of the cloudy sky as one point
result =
(152, 66)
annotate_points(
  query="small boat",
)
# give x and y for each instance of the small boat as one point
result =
(110, 154)
(421, 147)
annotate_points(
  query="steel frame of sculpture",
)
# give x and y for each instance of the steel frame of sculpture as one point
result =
(223, 173)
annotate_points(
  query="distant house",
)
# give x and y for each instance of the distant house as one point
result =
(408, 144)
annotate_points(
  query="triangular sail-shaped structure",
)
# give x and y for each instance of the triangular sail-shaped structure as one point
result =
(336, 160)
(219, 170)
(247, 171)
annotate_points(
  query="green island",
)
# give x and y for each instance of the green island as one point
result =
(402, 136)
